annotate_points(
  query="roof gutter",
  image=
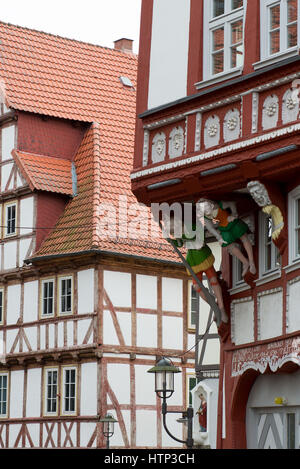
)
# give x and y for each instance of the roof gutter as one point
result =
(99, 252)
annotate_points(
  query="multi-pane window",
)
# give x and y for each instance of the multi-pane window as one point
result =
(3, 394)
(294, 225)
(224, 26)
(279, 26)
(270, 259)
(65, 295)
(69, 390)
(1, 307)
(10, 219)
(193, 306)
(51, 391)
(47, 298)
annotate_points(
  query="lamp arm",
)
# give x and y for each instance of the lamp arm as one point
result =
(169, 433)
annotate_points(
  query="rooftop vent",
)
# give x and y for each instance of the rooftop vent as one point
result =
(126, 82)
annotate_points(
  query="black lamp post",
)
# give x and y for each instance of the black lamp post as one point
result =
(108, 427)
(164, 388)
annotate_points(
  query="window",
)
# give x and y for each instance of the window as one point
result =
(193, 302)
(224, 28)
(279, 27)
(3, 394)
(69, 390)
(191, 383)
(10, 228)
(270, 258)
(47, 298)
(294, 225)
(65, 295)
(51, 391)
(1, 306)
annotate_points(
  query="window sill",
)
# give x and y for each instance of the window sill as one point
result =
(268, 277)
(293, 266)
(239, 288)
(276, 58)
(219, 77)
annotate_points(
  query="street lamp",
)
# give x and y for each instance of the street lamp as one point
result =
(164, 387)
(108, 427)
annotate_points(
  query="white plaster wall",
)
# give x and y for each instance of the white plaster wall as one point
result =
(86, 291)
(86, 431)
(10, 255)
(60, 334)
(8, 142)
(34, 432)
(88, 401)
(243, 319)
(270, 315)
(172, 335)
(13, 303)
(118, 287)
(31, 334)
(293, 312)
(146, 326)
(5, 173)
(144, 386)
(23, 250)
(212, 352)
(146, 291)
(26, 214)
(117, 438)
(33, 398)
(70, 333)
(109, 331)
(30, 312)
(169, 51)
(116, 374)
(146, 428)
(13, 434)
(172, 294)
(16, 394)
(82, 328)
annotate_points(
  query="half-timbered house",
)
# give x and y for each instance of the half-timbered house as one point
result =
(83, 316)
(218, 90)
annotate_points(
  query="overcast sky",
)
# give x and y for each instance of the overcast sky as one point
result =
(96, 21)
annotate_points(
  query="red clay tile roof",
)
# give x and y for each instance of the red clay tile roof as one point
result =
(45, 173)
(54, 76)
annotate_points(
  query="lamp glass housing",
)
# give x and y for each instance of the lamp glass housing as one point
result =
(164, 377)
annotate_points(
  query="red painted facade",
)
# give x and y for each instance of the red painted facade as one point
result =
(277, 172)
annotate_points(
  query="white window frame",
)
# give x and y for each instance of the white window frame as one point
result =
(6, 207)
(265, 57)
(1, 307)
(210, 24)
(4, 416)
(191, 292)
(60, 280)
(294, 196)
(64, 369)
(42, 314)
(263, 271)
(46, 371)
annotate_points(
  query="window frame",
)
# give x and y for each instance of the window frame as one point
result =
(263, 271)
(210, 24)
(7, 205)
(190, 325)
(6, 415)
(65, 368)
(2, 303)
(61, 278)
(293, 197)
(42, 282)
(45, 411)
(284, 52)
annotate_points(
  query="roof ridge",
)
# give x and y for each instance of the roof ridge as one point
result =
(18, 26)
